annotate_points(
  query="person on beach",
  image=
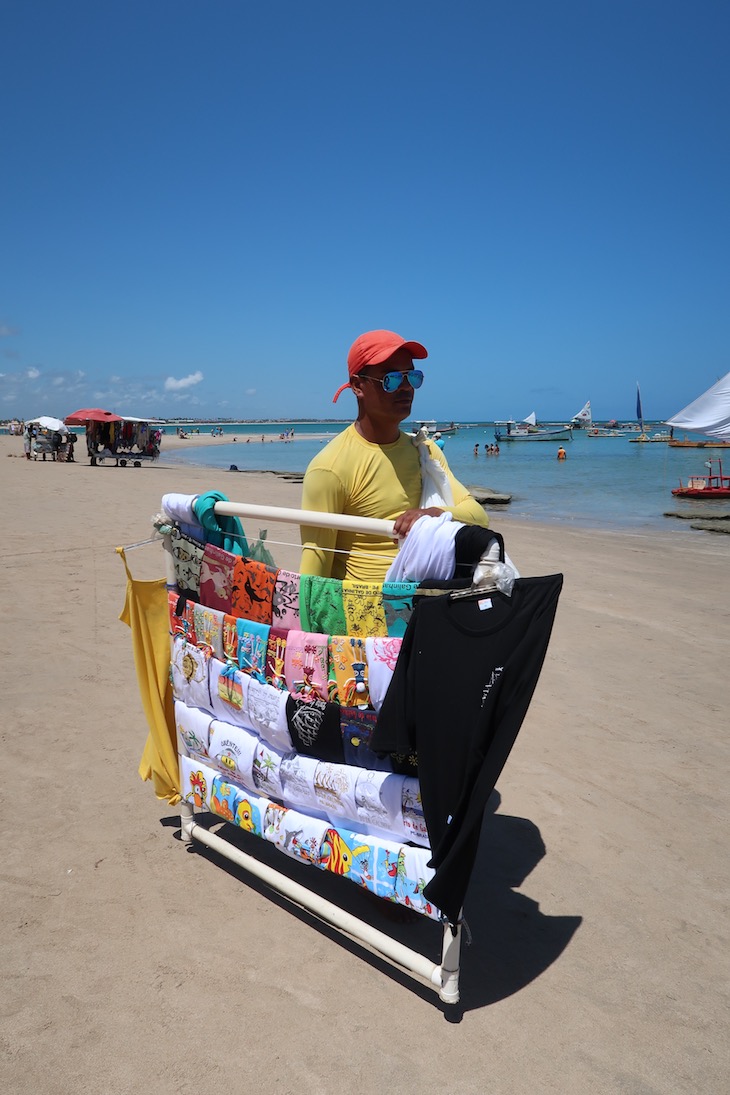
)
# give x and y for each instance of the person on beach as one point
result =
(372, 468)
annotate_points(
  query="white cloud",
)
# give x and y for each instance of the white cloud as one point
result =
(33, 373)
(58, 381)
(174, 385)
(250, 391)
(6, 331)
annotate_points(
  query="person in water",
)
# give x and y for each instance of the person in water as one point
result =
(372, 468)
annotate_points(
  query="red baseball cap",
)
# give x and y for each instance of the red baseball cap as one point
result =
(373, 348)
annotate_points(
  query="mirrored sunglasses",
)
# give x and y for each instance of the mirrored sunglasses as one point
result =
(392, 381)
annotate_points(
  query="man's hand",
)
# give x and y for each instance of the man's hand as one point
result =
(405, 522)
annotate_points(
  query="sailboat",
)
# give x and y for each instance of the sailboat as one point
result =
(643, 436)
(583, 420)
(708, 414)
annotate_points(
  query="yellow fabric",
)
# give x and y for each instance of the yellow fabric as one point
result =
(364, 611)
(351, 475)
(146, 613)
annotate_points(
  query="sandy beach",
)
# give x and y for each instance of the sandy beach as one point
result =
(598, 909)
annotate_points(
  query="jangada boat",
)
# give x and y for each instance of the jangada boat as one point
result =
(686, 443)
(583, 420)
(528, 430)
(709, 414)
(643, 436)
(712, 485)
(431, 427)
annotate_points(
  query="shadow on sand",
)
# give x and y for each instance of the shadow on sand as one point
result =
(512, 942)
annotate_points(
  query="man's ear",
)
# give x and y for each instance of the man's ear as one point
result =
(356, 384)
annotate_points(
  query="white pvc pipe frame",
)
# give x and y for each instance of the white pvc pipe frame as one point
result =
(445, 977)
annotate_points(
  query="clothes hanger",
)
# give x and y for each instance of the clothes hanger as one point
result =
(491, 573)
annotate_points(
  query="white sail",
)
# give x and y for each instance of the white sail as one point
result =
(584, 416)
(709, 413)
(531, 419)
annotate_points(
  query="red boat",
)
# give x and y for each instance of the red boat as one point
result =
(705, 486)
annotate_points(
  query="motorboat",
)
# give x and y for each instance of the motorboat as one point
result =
(528, 430)
(712, 485)
(430, 426)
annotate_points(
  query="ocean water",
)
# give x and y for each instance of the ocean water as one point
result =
(605, 482)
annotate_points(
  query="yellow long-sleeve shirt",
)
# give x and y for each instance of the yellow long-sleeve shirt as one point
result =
(354, 476)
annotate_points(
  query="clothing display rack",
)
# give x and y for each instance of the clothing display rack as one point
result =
(444, 976)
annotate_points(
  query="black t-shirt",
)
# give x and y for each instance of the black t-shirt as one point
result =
(314, 726)
(460, 691)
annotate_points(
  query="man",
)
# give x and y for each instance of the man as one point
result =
(372, 468)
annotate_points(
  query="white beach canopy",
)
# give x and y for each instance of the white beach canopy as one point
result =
(46, 422)
(709, 413)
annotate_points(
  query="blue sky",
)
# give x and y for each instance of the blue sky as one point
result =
(203, 203)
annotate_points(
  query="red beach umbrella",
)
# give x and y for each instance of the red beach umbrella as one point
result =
(94, 414)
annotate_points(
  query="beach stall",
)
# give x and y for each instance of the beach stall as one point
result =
(126, 441)
(357, 729)
(50, 438)
(139, 440)
(102, 432)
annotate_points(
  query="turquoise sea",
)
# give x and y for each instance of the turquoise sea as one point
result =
(605, 482)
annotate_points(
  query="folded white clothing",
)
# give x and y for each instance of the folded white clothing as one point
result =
(233, 748)
(267, 771)
(180, 507)
(192, 726)
(418, 874)
(297, 780)
(413, 819)
(266, 712)
(298, 835)
(190, 673)
(334, 786)
(382, 654)
(196, 782)
(379, 802)
(427, 551)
